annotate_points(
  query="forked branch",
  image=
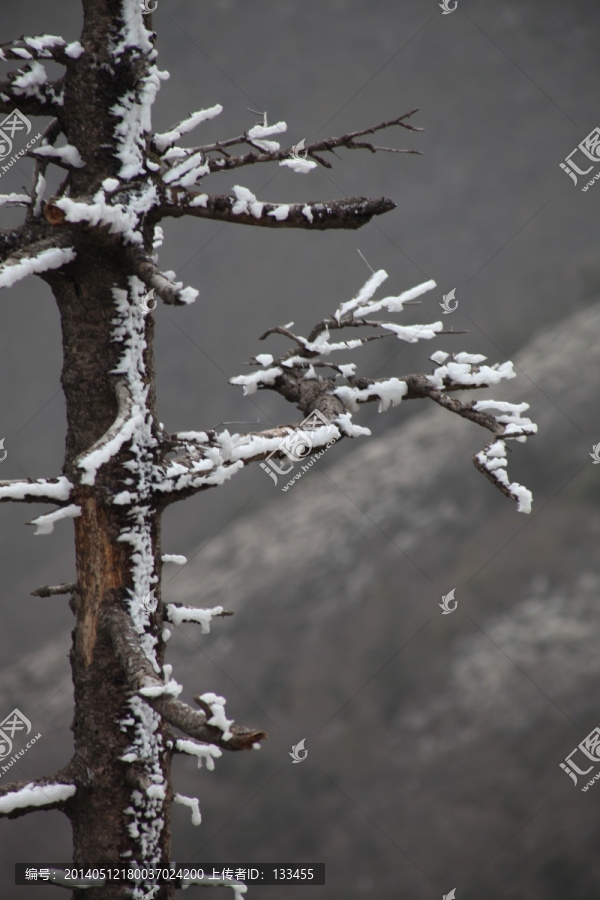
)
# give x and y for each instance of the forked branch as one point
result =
(216, 157)
(142, 678)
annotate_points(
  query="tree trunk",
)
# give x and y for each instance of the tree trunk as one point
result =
(108, 722)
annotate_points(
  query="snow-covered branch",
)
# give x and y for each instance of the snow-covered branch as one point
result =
(66, 157)
(337, 396)
(45, 46)
(36, 258)
(193, 804)
(170, 291)
(117, 209)
(25, 797)
(244, 209)
(15, 200)
(204, 753)
(45, 524)
(30, 106)
(42, 490)
(209, 726)
(177, 614)
(31, 92)
(195, 162)
(128, 419)
(162, 142)
(38, 180)
(207, 459)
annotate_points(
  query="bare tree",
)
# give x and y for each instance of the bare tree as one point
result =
(94, 243)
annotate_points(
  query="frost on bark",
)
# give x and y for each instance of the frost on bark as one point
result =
(94, 243)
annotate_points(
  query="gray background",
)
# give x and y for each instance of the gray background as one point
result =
(398, 802)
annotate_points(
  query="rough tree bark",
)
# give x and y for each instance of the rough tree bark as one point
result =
(92, 243)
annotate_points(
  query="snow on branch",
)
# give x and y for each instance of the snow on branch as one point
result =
(193, 804)
(45, 524)
(492, 462)
(206, 753)
(177, 614)
(170, 291)
(165, 140)
(42, 490)
(210, 725)
(129, 418)
(117, 208)
(336, 395)
(208, 459)
(216, 157)
(177, 558)
(33, 260)
(26, 797)
(48, 104)
(45, 46)
(15, 200)
(244, 209)
(31, 92)
(67, 156)
(38, 180)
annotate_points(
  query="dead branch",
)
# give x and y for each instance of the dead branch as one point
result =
(179, 612)
(51, 590)
(140, 674)
(36, 258)
(41, 490)
(169, 291)
(226, 162)
(349, 213)
(293, 376)
(31, 48)
(47, 101)
(23, 797)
